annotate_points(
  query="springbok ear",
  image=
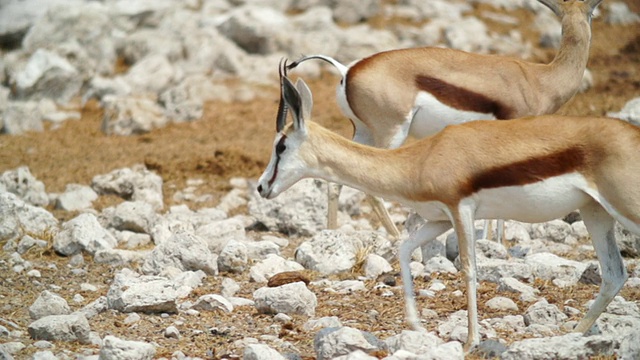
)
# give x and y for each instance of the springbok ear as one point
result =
(553, 5)
(293, 101)
(306, 97)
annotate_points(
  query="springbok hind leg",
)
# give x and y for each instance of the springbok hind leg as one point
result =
(600, 225)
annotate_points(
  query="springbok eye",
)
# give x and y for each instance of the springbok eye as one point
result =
(280, 147)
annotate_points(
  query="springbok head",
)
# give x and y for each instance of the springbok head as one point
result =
(288, 162)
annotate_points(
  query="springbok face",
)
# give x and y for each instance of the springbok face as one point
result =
(287, 165)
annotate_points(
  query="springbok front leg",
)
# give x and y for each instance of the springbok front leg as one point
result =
(427, 232)
(600, 225)
(463, 219)
(381, 211)
(333, 194)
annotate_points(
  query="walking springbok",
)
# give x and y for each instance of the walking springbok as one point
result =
(418, 91)
(545, 166)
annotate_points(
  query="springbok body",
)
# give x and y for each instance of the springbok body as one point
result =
(533, 170)
(418, 91)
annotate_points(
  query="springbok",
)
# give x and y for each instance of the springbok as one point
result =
(533, 170)
(418, 91)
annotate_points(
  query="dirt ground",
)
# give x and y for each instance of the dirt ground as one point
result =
(234, 140)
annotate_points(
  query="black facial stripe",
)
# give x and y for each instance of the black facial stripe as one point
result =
(275, 170)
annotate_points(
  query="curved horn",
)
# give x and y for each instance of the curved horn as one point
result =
(281, 118)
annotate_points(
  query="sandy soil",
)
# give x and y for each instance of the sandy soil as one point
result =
(234, 140)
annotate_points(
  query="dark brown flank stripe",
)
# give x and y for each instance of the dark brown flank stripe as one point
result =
(529, 171)
(462, 99)
(275, 170)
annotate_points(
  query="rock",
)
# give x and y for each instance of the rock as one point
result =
(439, 264)
(620, 14)
(114, 348)
(543, 313)
(493, 270)
(257, 30)
(562, 272)
(135, 216)
(628, 242)
(18, 218)
(145, 42)
(260, 250)
(185, 101)
(48, 303)
(183, 251)
(591, 275)
(21, 116)
(76, 197)
(353, 12)
(468, 34)
(287, 277)
(292, 298)
(417, 342)
(502, 303)
(151, 75)
(570, 346)
(119, 257)
(83, 233)
(331, 252)
(213, 302)
(554, 230)
(233, 257)
(127, 115)
(490, 349)
(329, 343)
(131, 292)
(135, 183)
(630, 112)
(72, 327)
(301, 210)
(272, 265)
(261, 352)
(23, 184)
(87, 24)
(375, 265)
(431, 249)
(527, 293)
(218, 233)
(172, 332)
(47, 75)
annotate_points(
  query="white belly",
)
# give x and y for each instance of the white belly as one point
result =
(542, 201)
(429, 116)
(539, 202)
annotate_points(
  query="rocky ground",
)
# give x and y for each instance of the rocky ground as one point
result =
(201, 162)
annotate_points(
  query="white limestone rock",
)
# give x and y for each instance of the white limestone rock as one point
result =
(48, 303)
(258, 30)
(493, 270)
(88, 24)
(527, 293)
(114, 348)
(218, 233)
(375, 265)
(131, 292)
(135, 183)
(151, 75)
(554, 230)
(72, 327)
(135, 216)
(261, 352)
(563, 272)
(83, 233)
(19, 117)
(47, 75)
(331, 252)
(330, 343)
(417, 342)
(271, 265)
(213, 302)
(27, 187)
(570, 346)
(76, 197)
(620, 14)
(183, 251)
(128, 115)
(120, 257)
(233, 257)
(293, 298)
(502, 303)
(630, 112)
(543, 313)
(439, 264)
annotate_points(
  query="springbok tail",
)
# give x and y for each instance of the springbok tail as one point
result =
(341, 68)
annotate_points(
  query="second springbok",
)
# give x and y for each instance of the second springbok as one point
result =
(418, 91)
(533, 170)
